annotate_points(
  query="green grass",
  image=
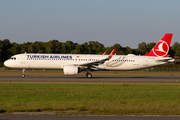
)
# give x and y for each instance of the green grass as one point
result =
(96, 99)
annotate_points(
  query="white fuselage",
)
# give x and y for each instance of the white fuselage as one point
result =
(57, 61)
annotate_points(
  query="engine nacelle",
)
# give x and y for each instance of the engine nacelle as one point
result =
(70, 70)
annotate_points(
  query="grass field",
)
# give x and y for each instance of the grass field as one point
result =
(95, 99)
(95, 73)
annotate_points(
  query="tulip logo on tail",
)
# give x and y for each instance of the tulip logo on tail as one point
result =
(161, 49)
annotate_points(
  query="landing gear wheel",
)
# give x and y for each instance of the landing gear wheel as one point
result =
(23, 75)
(89, 75)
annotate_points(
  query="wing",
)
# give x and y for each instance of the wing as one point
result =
(95, 63)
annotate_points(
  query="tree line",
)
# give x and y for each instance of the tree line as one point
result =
(7, 49)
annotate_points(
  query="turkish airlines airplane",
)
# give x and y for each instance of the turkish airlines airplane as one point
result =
(72, 64)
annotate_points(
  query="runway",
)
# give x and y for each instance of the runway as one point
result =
(144, 79)
(45, 117)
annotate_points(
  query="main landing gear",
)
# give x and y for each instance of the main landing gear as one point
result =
(23, 73)
(89, 75)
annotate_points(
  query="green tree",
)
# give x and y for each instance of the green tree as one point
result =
(77, 50)
(177, 52)
(119, 49)
(175, 46)
(1, 47)
(142, 48)
(128, 50)
(5, 54)
(174, 50)
(63, 48)
(96, 47)
(30, 48)
(86, 48)
(39, 47)
(70, 46)
(47, 48)
(150, 46)
(52, 45)
(15, 49)
(58, 47)
(24, 47)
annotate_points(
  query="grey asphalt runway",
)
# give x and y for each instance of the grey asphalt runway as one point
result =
(45, 117)
(162, 79)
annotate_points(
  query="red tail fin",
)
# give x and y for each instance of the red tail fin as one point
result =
(162, 47)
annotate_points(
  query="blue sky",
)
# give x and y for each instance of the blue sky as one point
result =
(127, 22)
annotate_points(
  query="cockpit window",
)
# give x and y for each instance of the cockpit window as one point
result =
(13, 58)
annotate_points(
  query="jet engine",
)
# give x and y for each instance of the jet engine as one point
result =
(70, 70)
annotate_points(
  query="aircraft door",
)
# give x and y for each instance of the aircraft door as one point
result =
(22, 59)
(145, 62)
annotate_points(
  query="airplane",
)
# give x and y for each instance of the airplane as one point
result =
(72, 64)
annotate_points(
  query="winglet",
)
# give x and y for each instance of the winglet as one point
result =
(105, 53)
(112, 53)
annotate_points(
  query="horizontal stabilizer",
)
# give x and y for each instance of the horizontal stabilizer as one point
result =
(168, 59)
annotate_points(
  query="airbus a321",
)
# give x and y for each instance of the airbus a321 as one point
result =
(72, 64)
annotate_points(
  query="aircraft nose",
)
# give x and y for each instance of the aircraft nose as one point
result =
(6, 63)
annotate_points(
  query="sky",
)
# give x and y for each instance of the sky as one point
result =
(127, 22)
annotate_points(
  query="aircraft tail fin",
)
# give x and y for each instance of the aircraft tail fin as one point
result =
(162, 47)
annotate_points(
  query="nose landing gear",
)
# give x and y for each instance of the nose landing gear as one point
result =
(23, 73)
